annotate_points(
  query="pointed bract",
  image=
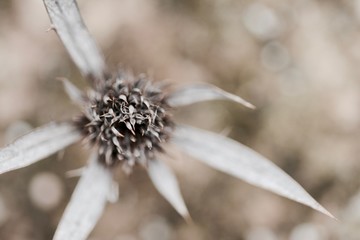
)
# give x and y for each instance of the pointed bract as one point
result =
(86, 204)
(37, 145)
(240, 161)
(202, 92)
(75, 172)
(165, 182)
(113, 194)
(66, 20)
(73, 92)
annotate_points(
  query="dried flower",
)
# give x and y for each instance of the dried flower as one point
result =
(127, 120)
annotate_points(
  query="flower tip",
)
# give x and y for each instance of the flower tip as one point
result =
(333, 217)
(72, 91)
(243, 163)
(74, 173)
(326, 212)
(250, 105)
(188, 218)
(61, 79)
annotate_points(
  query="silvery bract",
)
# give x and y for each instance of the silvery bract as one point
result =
(125, 119)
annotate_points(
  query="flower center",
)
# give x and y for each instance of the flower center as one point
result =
(127, 119)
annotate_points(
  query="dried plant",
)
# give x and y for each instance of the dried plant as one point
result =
(127, 120)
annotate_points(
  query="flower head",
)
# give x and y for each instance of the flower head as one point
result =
(127, 120)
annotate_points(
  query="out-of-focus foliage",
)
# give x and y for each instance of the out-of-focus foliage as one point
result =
(297, 61)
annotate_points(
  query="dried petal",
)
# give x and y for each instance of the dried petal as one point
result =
(37, 145)
(87, 203)
(67, 22)
(123, 97)
(165, 182)
(116, 132)
(202, 92)
(240, 161)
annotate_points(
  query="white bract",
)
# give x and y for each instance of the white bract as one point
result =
(96, 185)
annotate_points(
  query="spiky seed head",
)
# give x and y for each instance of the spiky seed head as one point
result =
(128, 119)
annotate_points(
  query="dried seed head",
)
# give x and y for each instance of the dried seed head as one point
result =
(128, 119)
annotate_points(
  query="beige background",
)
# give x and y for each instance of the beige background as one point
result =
(297, 61)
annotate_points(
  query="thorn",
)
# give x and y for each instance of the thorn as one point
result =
(132, 122)
(116, 142)
(116, 132)
(226, 131)
(61, 79)
(128, 125)
(131, 109)
(74, 173)
(51, 28)
(101, 150)
(127, 169)
(188, 219)
(108, 156)
(61, 154)
(132, 138)
(103, 138)
(123, 97)
(113, 194)
(106, 99)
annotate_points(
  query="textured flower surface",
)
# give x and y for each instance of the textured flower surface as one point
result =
(128, 118)
(127, 121)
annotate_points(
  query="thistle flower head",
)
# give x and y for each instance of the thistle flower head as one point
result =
(127, 118)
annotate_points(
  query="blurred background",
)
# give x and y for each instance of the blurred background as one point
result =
(297, 61)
